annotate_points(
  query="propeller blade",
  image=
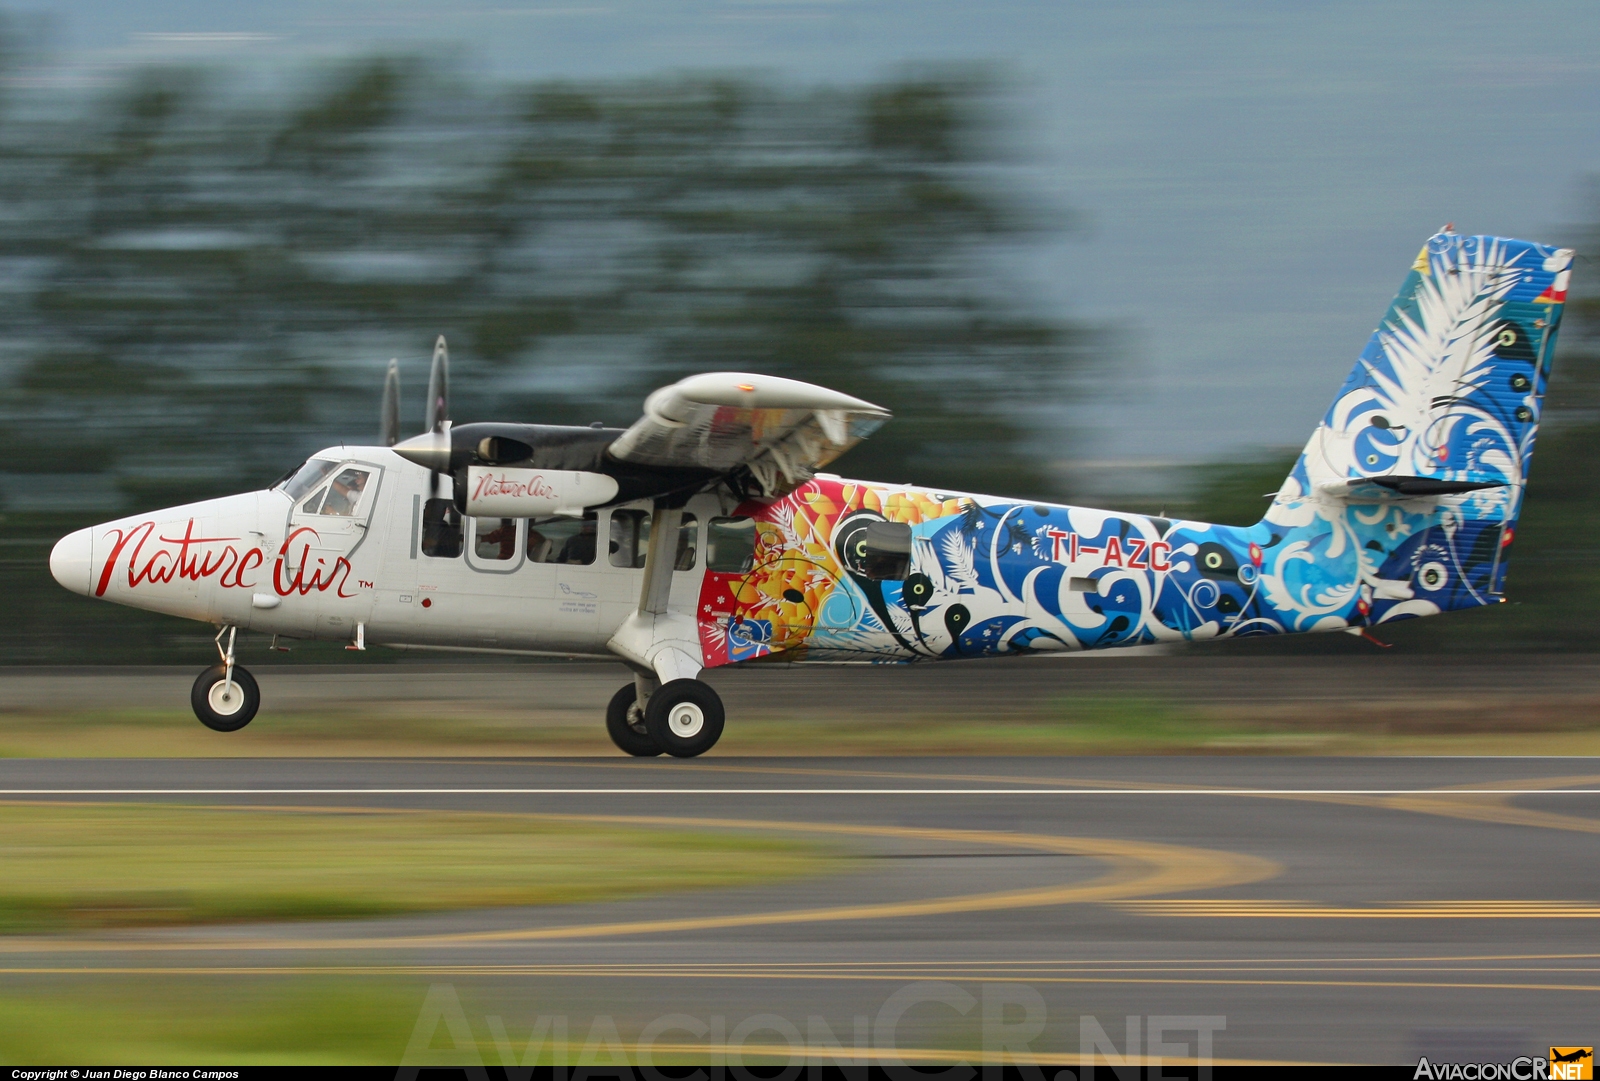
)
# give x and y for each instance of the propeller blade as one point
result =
(389, 434)
(439, 387)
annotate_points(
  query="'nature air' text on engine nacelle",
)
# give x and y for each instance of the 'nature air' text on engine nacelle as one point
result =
(534, 493)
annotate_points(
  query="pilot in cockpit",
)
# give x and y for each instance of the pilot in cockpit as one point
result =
(345, 493)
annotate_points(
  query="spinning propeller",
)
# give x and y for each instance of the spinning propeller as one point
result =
(432, 447)
(389, 434)
(438, 416)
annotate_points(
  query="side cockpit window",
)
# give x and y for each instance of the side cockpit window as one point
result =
(344, 494)
(341, 498)
(307, 477)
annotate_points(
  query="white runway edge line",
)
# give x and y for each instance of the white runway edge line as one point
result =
(799, 792)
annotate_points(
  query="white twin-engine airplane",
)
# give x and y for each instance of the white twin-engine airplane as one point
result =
(704, 534)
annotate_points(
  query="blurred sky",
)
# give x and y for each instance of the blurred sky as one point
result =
(1253, 179)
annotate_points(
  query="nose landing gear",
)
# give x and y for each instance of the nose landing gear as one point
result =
(225, 697)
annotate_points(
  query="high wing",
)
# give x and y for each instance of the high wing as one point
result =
(762, 434)
(778, 431)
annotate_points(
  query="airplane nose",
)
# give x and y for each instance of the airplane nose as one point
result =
(69, 561)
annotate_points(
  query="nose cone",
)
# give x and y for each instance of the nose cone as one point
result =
(431, 450)
(69, 561)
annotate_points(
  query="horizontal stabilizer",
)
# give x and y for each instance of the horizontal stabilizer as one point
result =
(1380, 488)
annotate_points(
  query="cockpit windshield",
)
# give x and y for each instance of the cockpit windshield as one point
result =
(307, 477)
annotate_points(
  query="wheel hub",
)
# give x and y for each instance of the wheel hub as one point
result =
(686, 720)
(226, 698)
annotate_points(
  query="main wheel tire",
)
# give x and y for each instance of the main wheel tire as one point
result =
(625, 724)
(220, 707)
(685, 717)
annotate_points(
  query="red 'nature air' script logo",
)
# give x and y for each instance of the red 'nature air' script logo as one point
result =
(192, 557)
(197, 559)
(335, 578)
(489, 485)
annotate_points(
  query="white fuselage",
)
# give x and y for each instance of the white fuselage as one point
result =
(262, 561)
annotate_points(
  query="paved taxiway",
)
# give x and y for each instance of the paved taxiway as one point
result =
(1327, 909)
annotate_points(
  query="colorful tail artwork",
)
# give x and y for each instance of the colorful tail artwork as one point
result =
(1404, 503)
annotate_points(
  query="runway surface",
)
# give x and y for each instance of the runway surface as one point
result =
(1362, 686)
(1322, 910)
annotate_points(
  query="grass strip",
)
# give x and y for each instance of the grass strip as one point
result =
(304, 1019)
(66, 868)
(208, 1022)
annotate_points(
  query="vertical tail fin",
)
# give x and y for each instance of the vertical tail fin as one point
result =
(1439, 416)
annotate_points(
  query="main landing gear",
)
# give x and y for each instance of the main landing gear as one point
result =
(225, 697)
(682, 718)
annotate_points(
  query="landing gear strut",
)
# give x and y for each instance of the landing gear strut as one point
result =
(682, 718)
(225, 697)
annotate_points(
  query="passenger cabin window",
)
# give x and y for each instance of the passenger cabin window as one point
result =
(307, 477)
(883, 550)
(730, 545)
(441, 529)
(688, 533)
(630, 538)
(494, 538)
(562, 540)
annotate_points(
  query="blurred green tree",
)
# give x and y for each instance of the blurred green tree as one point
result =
(204, 282)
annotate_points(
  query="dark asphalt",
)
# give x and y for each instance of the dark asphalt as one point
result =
(1322, 909)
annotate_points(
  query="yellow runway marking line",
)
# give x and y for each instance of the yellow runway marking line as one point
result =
(1550, 783)
(857, 977)
(1401, 910)
(1136, 868)
(920, 1054)
(756, 970)
(1495, 809)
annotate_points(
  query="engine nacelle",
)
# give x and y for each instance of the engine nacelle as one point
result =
(494, 492)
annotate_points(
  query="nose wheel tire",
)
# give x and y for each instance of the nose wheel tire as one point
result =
(684, 717)
(625, 724)
(223, 705)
